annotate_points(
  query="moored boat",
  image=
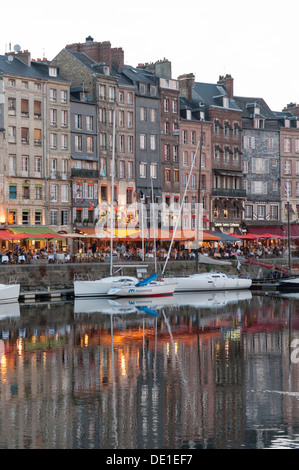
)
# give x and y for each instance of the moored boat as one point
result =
(9, 292)
(210, 281)
(149, 287)
(101, 287)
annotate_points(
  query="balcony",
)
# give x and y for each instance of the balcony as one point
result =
(78, 172)
(224, 192)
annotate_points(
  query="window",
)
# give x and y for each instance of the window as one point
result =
(25, 135)
(78, 121)
(89, 143)
(53, 192)
(53, 117)
(37, 164)
(25, 161)
(63, 96)
(166, 105)
(193, 181)
(270, 143)
(24, 108)
(130, 98)
(248, 212)
(260, 165)
(245, 167)
(64, 142)
(52, 71)
(64, 217)
(53, 217)
(130, 170)
(64, 193)
(193, 137)
(53, 167)
(103, 141)
(12, 191)
(297, 144)
(287, 169)
(259, 187)
(37, 86)
(261, 212)
(130, 119)
(37, 137)
(26, 191)
(142, 88)
(38, 192)
(64, 118)
(25, 217)
(129, 196)
(38, 217)
(25, 85)
(287, 145)
(273, 212)
(53, 95)
(89, 123)
(176, 176)
(12, 165)
(102, 92)
(53, 141)
(11, 105)
(121, 116)
(185, 179)
(130, 143)
(185, 158)
(102, 115)
(11, 134)
(167, 152)
(175, 153)
(175, 106)
(142, 141)
(153, 170)
(142, 114)
(121, 143)
(112, 93)
(166, 127)
(37, 109)
(11, 83)
(249, 142)
(153, 115)
(121, 97)
(142, 170)
(153, 142)
(167, 174)
(78, 143)
(121, 169)
(185, 137)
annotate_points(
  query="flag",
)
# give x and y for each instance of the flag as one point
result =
(91, 206)
(176, 132)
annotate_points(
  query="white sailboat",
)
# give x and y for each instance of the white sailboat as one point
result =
(9, 292)
(101, 287)
(202, 281)
(149, 287)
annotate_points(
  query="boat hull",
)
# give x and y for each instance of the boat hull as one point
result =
(9, 292)
(101, 287)
(288, 285)
(208, 282)
(158, 289)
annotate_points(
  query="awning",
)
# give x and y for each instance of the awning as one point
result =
(279, 230)
(225, 237)
(33, 230)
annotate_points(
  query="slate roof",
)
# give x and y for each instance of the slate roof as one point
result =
(212, 95)
(38, 70)
(247, 112)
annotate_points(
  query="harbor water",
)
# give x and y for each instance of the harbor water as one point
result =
(205, 371)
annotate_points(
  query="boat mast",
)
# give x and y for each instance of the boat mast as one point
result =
(198, 201)
(289, 234)
(154, 221)
(112, 196)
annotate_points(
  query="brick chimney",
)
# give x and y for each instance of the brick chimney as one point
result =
(24, 56)
(292, 108)
(98, 51)
(186, 83)
(228, 82)
(117, 57)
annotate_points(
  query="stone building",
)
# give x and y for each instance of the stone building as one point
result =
(261, 164)
(35, 137)
(220, 108)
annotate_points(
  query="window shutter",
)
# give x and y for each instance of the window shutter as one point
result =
(266, 166)
(265, 187)
(85, 213)
(74, 214)
(96, 191)
(85, 190)
(253, 165)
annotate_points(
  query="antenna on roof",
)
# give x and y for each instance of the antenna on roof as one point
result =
(17, 48)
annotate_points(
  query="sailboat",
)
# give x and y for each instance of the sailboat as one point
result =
(198, 282)
(122, 286)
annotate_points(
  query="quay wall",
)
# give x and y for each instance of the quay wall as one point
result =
(35, 277)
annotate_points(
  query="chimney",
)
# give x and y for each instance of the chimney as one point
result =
(186, 84)
(118, 57)
(228, 82)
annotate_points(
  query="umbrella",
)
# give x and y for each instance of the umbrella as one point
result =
(268, 235)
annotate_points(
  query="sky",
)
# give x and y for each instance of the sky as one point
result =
(254, 41)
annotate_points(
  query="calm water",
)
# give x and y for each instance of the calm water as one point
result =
(204, 371)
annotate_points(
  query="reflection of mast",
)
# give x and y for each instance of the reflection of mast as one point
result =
(114, 422)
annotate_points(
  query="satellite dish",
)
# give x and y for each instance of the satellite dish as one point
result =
(17, 48)
(10, 58)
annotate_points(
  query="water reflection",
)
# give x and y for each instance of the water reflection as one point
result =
(211, 370)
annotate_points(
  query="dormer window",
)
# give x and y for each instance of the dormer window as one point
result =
(259, 123)
(257, 110)
(52, 71)
(142, 88)
(188, 114)
(287, 123)
(225, 102)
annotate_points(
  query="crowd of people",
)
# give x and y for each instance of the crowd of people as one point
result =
(130, 251)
